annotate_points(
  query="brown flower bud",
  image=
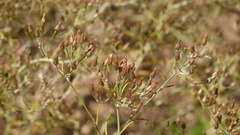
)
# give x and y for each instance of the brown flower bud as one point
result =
(192, 68)
(128, 94)
(167, 123)
(232, 104)
(75, 42)
(95, 61)
(89, 51)
(153, 74)
(154, 85)
(41, 28)
(213, 76)
(204, 42)
(139, 105)
(91, 88)
(108, 61)
(205, 99)
(62, 46)
(215, 93)
(177, 56)
(214, 109)
(178, 120)
(71, 38)
(133, 97)
(139, 82)
(184, 124)
(57, 27)
(67, 69)
(230, 128)
(74, 65)
(97, 94)
(190, 62)
(132, 75)
(178, 45)
(100, 82)
(30, 30)
(192, 49)
(111, 95)
(43, 19)
(55, 60)
(66, 43)
(234, 112)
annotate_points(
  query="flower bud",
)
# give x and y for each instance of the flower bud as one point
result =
(178, 45)
(57, 27)
(30, 30)
(204, 42)
(55, 61)
(177, 56)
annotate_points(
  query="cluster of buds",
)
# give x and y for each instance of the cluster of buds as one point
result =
(223, 116)
(181, 123)
(128, 90)
(39, 30)
(188, 65)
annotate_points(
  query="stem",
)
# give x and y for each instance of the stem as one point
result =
(118, 120)
(85, 107)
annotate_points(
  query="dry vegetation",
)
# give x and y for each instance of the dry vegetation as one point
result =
(130, 67)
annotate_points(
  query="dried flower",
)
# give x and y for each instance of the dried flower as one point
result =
(178, 45)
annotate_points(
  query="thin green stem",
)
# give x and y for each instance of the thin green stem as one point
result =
(118, 120)
(85, 107)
